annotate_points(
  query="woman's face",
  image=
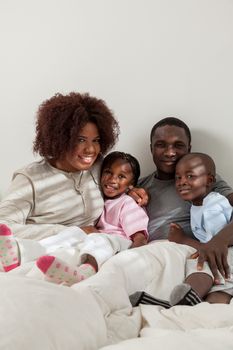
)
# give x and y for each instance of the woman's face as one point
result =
(85, 153)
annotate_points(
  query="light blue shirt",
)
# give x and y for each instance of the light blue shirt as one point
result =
(210, 217)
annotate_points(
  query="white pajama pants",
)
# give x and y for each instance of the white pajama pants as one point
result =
(99, 245)
(103, 246)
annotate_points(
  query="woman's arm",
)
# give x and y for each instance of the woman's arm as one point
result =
(15, 210)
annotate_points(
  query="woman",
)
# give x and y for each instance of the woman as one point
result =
(61, 190)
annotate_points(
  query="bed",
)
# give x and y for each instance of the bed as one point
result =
(97, 314)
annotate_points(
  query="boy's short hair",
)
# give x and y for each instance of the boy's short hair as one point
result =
(174, 122)
(205, 158)
(128, 158)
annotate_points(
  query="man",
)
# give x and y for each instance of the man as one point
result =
(170, 140)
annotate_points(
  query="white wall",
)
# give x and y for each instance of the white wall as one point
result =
(147, 58)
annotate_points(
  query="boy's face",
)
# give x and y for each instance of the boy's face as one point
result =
(169, 143)
(192, 180)
(116, 178)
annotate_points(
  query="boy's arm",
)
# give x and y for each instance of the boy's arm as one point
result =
(138, 239)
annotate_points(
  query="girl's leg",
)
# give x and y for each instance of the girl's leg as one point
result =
(57, 271)
(9, 252)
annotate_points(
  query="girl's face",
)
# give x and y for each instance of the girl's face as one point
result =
(116, 178)
(85, 153)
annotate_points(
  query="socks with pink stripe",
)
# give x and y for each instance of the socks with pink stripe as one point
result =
(57, 271)
(9, 252)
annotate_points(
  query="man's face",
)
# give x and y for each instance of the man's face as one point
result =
(169, 143)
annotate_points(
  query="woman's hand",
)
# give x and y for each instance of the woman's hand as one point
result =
(139, 195)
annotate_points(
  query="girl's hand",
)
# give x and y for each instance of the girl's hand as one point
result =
(138, 239)
(89, 229)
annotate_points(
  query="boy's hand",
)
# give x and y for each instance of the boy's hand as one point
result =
(176, 234)
(139, 195)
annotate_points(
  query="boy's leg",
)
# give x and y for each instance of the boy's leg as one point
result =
(9, 251)
(196, 286)
(147, 299)
(200, 282)
(218, 298)
(58, 271)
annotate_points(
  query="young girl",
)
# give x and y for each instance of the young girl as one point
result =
(123, 224)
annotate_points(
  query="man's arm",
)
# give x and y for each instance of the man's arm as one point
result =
(215, 252)
(140, 195)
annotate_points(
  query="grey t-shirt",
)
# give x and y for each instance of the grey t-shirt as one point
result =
(165, 205)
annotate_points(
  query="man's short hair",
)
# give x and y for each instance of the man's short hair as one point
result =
(174, 122)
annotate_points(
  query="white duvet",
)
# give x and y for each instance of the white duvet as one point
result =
(96, 313)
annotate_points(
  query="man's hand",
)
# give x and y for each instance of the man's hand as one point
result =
(176, 234)
(215, 253)
(139, 195)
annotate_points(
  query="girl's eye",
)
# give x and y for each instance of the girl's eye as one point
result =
(189, 176)
(96, 141)
(106, 172)
(80, 140)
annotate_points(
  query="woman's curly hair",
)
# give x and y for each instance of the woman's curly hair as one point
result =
(61, 118)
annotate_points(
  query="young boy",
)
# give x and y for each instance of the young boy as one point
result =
(209, 213)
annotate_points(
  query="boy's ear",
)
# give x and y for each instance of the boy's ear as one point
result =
(210, 180)
(190, 147)
(150, 147)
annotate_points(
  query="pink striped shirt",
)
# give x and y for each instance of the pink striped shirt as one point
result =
(123, 216)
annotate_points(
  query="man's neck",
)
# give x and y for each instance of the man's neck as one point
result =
(164, 176)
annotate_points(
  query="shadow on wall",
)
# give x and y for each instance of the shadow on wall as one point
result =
(216, 147)
(203, 141)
